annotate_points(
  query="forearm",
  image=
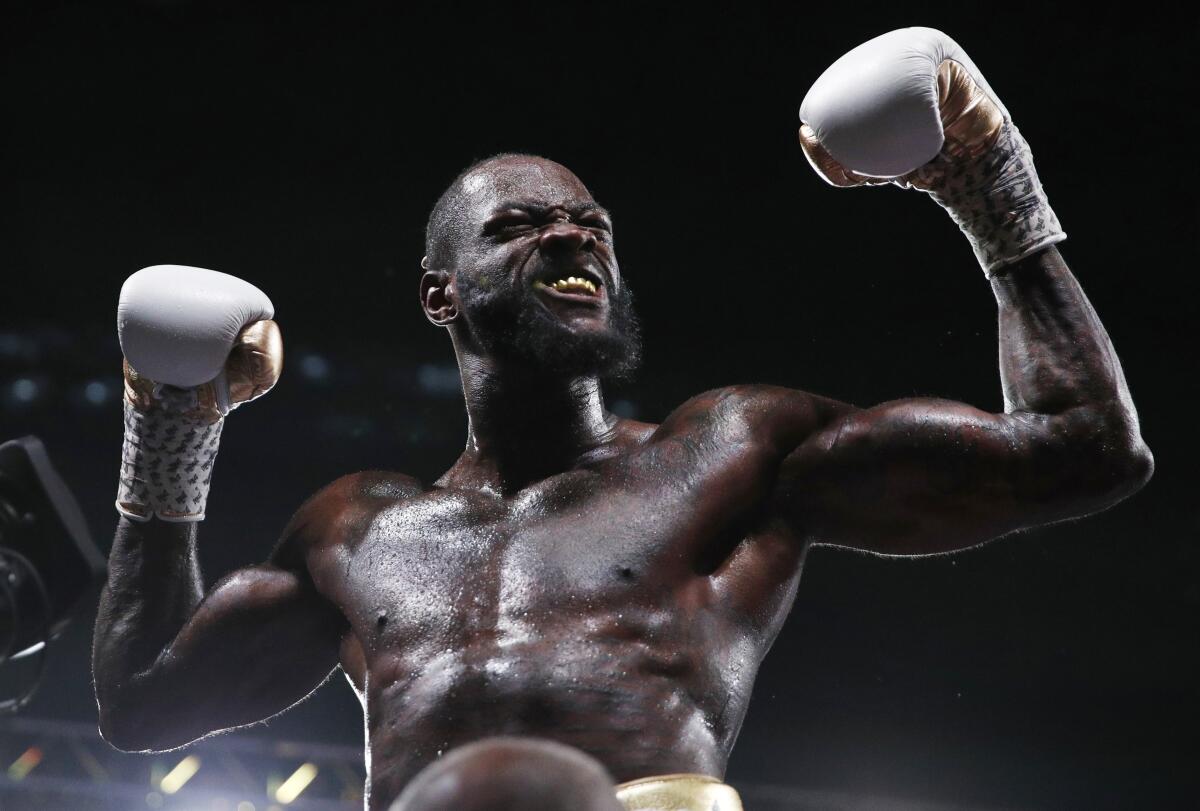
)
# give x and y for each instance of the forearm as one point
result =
(197, 345)
(922, 475)
(1064, 390)
(1055, 355)
(154, 586)
(173, 662)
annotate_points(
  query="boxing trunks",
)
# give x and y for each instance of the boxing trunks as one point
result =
(678, 792)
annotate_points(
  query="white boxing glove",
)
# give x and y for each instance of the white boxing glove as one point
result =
(177, 324)
(197, 344)
(909, 107)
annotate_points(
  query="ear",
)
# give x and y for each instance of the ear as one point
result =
(438, 297)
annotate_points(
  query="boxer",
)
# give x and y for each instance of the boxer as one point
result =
(583, 598)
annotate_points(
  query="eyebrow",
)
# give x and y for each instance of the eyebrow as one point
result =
(541, 206)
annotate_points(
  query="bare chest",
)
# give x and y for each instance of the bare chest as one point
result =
(631, 535)
(583, 606)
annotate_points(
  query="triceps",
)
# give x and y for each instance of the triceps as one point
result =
(914, 476)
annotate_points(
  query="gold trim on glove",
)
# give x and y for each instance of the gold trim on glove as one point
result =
(971, 121)
(251, 370)
(255, 362)
(828, 167)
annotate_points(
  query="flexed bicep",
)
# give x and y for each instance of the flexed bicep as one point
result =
(261, 640)
(921, 475)
(909, 107)
(174, 662)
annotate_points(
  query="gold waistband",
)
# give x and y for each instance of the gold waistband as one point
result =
(678, 792)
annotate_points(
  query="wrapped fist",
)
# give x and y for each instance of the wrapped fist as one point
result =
(197, 344)
(910, 108)
(198, 330)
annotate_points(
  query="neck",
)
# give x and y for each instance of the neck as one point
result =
(524, 426)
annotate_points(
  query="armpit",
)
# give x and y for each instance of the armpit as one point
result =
(353, 661)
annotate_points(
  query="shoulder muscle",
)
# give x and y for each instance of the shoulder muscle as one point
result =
(776, 417)
(334, 515)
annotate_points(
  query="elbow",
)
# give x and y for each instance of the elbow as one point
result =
(1137, 466)
(1144, 459)
(1123, 462)
(119, 726)
(1100, 458)
(134, 731)
(124, 733)
(128, 736)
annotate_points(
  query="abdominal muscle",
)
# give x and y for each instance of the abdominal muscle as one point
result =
(614, 699)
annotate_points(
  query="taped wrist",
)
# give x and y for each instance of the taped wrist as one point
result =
(166, 460)
(997, 200)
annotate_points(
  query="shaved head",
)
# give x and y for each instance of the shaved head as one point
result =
(507, 174)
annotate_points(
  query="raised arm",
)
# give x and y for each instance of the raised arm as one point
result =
(170, 662)
(920, 476)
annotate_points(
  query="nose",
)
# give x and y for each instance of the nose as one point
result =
(566, 237)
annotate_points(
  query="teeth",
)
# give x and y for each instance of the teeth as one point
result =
(572, 282)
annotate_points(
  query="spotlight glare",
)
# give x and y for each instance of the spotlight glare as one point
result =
(23, 765)
(291, 788)
(182, 773)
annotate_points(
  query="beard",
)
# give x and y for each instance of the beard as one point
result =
(517, 330)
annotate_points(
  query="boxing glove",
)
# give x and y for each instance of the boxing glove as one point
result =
(197, 343)
(910, 108)
(195, 329)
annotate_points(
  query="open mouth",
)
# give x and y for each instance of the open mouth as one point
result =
(579, 286)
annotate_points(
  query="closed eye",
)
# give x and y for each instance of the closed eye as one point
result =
(597, 223)
(508, 224)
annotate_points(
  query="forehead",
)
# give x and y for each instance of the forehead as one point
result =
(543, 182)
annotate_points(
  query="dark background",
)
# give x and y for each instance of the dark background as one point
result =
(300, 146)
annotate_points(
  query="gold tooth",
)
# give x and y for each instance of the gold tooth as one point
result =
(587, 284)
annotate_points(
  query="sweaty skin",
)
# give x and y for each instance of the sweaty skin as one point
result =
(608, 584)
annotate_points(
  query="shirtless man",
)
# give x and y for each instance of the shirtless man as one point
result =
(581, 590)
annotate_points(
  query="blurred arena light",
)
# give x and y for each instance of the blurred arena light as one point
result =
(96, 392)
(292, 788)
(76, 769)
(314, 367)
(23, 391)
(24, 764)
(178, 777)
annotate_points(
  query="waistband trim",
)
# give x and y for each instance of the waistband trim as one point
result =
(678, 792)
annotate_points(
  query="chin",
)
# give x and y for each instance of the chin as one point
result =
(534, 339)
(576, 355)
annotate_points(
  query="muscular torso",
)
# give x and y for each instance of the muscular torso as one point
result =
(623, 601)
(622, 607)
